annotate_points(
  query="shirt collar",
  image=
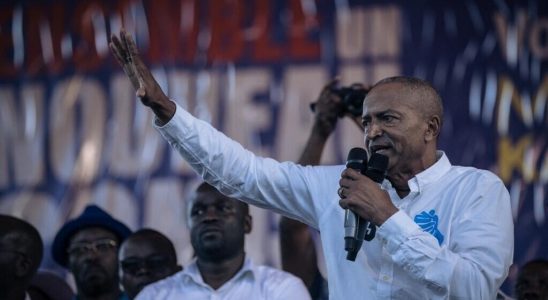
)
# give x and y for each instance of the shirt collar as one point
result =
(431, 174)
(191, 272)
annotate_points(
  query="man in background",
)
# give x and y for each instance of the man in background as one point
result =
(21, 251)
(532, 281)
(218, 225)
(298, 249)
(146, 256)
(88, 247)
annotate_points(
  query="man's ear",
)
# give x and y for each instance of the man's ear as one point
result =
(433, 128)
(248, 223)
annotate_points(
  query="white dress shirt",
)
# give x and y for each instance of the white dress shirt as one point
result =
(251, 282)
(452, 237)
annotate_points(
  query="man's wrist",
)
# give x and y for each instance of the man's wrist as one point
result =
(164, 109)
(323, 126)
(386, 215)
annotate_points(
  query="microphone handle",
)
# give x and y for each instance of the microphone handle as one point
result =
(350, 228)
(357, 239)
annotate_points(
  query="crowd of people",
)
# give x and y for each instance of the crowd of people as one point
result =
(442, 231)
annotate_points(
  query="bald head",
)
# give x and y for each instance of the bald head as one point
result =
(427, 100)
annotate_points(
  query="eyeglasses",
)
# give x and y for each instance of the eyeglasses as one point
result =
(154, 264)
(99, 246)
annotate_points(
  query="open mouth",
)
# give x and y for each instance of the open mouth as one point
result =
(381, 149)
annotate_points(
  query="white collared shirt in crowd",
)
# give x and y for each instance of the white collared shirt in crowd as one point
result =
(251, 282)
(452, 237)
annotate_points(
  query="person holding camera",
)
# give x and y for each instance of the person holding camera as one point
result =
(298, 250)
(444, 231)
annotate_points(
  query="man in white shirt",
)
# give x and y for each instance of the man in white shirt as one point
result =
(444, 231)
(221, 270)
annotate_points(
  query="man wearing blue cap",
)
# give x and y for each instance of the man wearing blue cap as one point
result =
(88, 247)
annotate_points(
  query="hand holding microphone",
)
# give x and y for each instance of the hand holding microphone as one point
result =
(366, 197)
(357, 158)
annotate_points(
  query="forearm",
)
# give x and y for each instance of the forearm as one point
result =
(237, 172)
(315, 144)
(298, 251)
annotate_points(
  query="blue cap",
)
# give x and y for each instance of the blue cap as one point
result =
(93, 216)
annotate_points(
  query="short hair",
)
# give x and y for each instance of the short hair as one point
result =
(25, 239)
(205, 187)
(426, 92)
(159, 239)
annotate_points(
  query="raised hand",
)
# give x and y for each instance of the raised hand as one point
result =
(327, 108)
(147, 88)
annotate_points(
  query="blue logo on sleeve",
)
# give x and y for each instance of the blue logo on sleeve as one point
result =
(428, 221)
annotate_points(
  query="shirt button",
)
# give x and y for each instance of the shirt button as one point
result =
(385, 277)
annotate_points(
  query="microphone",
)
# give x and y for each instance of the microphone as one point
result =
(357, 158)
(376, 171)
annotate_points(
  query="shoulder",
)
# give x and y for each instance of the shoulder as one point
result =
(272, 278)
(474, 176)
(164, 286)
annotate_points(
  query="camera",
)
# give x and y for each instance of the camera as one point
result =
(351, 99)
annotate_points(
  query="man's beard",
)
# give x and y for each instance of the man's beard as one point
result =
(94, 281)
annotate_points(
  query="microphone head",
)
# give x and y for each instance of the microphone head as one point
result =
(376, 167)
(357, 158)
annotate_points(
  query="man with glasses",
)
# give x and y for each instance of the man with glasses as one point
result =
(88, 247)
(21, 250)
(146, 256)
(221, 269)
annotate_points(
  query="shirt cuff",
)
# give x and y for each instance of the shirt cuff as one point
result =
(178, 110)
(396, 230)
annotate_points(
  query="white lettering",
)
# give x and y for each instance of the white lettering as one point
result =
(22, 133)
(77, 124)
